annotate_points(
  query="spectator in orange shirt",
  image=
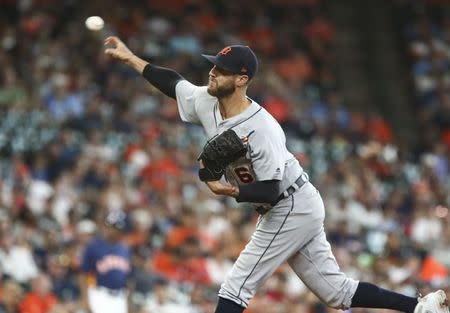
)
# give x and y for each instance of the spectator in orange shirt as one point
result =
(40, 299)
(295, 68)
(379, 129)
(186, 227)
(182, 263)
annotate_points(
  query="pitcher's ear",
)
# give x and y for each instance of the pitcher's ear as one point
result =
(242, 80)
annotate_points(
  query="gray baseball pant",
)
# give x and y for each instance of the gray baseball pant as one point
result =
(291, 231)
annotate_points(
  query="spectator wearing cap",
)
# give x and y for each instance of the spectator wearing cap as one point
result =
(106, 264)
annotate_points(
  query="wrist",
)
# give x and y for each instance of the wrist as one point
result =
(235, 191)
(130, 60)
(137, 63)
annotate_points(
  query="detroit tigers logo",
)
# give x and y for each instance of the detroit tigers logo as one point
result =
(112, 262)
(225, 51)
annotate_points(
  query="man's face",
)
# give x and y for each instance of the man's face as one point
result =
(111, 233)
(221, 83)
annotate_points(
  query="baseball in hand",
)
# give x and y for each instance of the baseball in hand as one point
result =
(94, 23)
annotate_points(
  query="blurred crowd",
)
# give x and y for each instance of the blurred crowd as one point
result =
(81, 135)
(427, 34)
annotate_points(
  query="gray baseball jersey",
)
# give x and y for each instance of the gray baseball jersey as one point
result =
(267, 157)
(293, 229)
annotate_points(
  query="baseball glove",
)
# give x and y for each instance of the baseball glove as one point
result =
(218, 153)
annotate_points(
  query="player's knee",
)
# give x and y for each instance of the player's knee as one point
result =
(337, 293)
(339, 299)
(335, 302)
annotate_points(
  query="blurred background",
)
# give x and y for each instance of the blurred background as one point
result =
(361, 88)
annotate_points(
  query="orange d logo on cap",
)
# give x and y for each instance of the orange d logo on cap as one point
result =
(225, 51)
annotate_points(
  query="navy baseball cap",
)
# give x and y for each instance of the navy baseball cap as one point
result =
(116, 219)
(236, 59)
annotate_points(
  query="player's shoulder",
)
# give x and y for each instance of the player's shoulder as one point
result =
(264, 119)
(255, 118)
(202, 94)
(264, 128)
(203, 100)
(93, 247)
(188, 88)
(96, 242)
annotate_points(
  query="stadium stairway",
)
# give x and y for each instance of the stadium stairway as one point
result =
(372, 70)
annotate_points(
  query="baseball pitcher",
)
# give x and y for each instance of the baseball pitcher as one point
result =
(248, 147)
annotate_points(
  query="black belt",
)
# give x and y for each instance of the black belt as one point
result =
(301, 180)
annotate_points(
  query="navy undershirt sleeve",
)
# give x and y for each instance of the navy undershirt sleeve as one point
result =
(162, 78)
(266, 191)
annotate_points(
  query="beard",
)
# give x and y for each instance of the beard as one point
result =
(222, 91)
